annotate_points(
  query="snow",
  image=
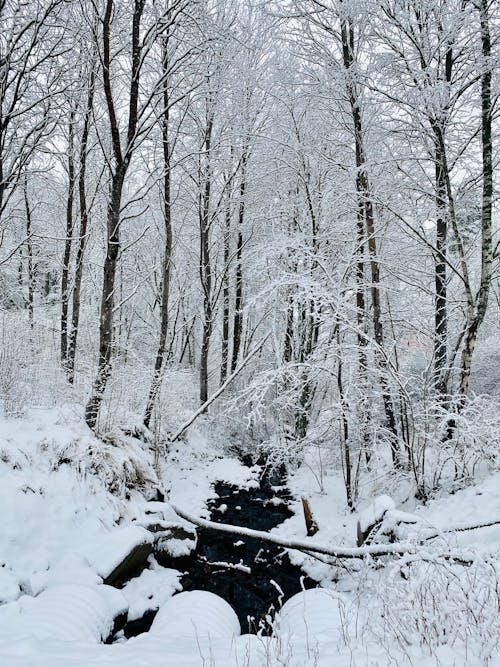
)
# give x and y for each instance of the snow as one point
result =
(310, 614)
(55, 509)
(313, 625)
(105, 554)
(473, 505)
(9, 586)
(62, 532)
(151, 589)
(375, 512)
(69, 612)
(197, 613)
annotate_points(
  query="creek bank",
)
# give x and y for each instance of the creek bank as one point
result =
(255, 578)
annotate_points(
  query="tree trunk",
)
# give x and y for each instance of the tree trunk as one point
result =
(225, 296)
(119, 170)
(167, 253)
(67, 243)
(205, 262)
(440, 309)
(29, 249)
(378, 328)
(365, 201)
(238, 297)
(82, 240)
(440, 317)
(345, 445)
(486, 209)
(365, 411)
(107, 300)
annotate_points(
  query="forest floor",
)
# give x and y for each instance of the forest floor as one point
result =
(63, 530)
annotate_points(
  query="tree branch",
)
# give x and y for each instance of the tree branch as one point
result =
(219, 391)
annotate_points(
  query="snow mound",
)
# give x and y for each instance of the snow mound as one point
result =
(311, 613)
(70, 612)
(197, 613)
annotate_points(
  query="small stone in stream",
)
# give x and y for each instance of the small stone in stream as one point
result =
(131, 566)
(140, 625)
(155, 527)
(167, 529)
(118, 625)
(175, 542)
(177, 533)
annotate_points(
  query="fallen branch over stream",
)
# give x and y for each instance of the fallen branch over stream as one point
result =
(311, 548)
(334, 552)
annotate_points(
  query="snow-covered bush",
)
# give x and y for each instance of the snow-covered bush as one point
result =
(121, 462)
(432, 604)
(440, 461)
(14, 390)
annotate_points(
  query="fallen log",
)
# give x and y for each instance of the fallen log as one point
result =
(311, 548)
(373, 550)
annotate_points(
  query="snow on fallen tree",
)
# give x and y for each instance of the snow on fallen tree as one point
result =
(313, 548)
(299, 545)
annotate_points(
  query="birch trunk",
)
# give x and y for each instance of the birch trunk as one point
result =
(482, 297)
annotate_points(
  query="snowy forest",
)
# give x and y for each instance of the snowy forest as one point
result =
(249, 333)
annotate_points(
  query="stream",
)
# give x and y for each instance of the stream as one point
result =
(253, 577)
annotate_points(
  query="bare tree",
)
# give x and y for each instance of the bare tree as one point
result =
(29, 81)
(83, 210)
(65, 295)
(123, 142)
(173, 60)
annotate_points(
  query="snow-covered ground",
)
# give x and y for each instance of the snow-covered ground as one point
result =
(63, 531)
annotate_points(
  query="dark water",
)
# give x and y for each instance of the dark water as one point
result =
(255, 578)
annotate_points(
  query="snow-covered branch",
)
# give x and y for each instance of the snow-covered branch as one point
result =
(373, 550)
(203, 408)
